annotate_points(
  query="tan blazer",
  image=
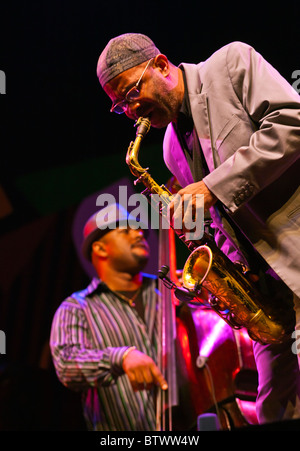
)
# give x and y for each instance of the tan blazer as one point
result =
(247, 118)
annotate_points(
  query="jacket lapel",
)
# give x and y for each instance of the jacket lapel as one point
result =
(200, 113)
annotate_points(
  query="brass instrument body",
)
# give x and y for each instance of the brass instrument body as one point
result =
(231, 294)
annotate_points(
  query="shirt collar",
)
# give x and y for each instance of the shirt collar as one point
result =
(95, 285)
(185, 122)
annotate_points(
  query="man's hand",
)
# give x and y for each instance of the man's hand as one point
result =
(142, 371)
(198, 188)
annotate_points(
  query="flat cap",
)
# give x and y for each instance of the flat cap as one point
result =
(122, 53)
(104, 220)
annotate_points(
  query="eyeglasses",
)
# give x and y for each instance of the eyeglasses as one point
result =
(132, 95)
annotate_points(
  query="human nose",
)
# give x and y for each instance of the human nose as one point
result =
(131, 109)
(138, 232)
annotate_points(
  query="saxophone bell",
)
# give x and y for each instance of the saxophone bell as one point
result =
(182, 294)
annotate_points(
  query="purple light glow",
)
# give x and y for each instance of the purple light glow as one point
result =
(212, 341)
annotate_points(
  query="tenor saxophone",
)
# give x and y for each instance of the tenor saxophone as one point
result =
(231, 295)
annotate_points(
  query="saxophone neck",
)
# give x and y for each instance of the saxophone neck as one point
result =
(143, 126)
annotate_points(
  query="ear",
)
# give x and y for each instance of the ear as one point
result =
(99, 249)
(162, 63)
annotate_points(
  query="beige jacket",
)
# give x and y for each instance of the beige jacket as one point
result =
(247, 118)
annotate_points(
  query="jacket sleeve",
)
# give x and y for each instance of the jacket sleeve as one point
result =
(274, 107)
(77, 361)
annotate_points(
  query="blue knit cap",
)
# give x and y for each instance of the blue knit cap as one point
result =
(124, 52)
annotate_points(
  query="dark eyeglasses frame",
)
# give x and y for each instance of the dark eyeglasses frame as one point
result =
(132, 95)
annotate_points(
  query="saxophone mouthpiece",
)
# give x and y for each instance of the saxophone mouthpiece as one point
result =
(143, 126)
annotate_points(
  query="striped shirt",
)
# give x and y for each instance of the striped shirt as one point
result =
(90, 332)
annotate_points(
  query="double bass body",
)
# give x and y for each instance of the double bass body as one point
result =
(216, 371)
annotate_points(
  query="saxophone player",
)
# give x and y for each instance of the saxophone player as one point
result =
(232, 134)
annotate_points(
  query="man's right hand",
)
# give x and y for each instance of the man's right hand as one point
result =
(142, 371)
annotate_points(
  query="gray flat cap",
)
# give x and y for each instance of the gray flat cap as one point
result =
(124, 52)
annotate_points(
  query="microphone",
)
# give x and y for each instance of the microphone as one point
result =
(182, 294)
(162, 273)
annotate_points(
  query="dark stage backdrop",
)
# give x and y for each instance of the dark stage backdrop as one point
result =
(60, 145)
